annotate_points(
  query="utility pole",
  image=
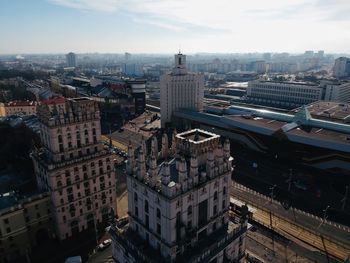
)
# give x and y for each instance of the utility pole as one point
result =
(324, 215)
(273, 236)
(344, 198)
(272, 188)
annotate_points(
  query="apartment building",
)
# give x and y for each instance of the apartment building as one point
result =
(74, 167)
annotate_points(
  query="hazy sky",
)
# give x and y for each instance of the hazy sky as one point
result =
(162, 26)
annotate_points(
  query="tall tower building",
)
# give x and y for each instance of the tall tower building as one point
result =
(73, 166)
(180, 89)
(71, 59)
(341, 67)
(178, 202)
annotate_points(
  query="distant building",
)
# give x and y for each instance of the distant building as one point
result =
(178, 203)
(283, 94)
(294, 94)
(180, 89)
(74, 167)
(132, 69)
(25, 222)
(260, 66)
(18, 108)
(341, 67)
(71, 60)
(128, 93)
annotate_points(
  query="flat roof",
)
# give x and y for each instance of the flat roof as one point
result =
(328, 110)
(197, 135)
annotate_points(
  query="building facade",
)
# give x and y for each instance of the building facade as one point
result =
(71, 59)
(341, 67)
(18, 108)
(74, 167)
(25, 222)
(178, 202)
(180, 89)
(283, 94)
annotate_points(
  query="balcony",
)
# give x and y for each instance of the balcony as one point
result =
(51, 165)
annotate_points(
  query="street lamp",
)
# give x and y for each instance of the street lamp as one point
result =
(272, 188)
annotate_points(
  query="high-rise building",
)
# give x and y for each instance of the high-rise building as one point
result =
(71, 59)
(180, 89)
(341, 67)
(178, 202)
(73, 166)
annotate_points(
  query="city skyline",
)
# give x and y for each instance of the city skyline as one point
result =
(109, 26)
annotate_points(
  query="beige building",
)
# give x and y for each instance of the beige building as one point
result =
(18, 108)
(178, 202)
(24, 224)
(180, 89)
(74, 167)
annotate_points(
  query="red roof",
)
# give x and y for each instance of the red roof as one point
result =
(54, 100)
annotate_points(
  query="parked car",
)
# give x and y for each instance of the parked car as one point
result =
(105, 244)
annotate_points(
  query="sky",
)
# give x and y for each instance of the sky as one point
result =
(165, 26)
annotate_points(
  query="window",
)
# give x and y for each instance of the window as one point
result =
(224, 190)
(147, 221)
(189, 224)
(223, 204)
(158, 213)
(146, 206)
(136, 211)
(135, 197)
(6, 220)
(189, 211)
(159, 231)
(8, 230)
(215, 195)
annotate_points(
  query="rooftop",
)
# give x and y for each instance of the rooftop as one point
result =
(197, 136)
(19, 103)
(54, 100)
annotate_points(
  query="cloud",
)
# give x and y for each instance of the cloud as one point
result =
(90, 5)
(260, 25)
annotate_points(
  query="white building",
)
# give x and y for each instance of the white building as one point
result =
(73, 166)
(338, 92)
(180, 89)
(71, 59)
(283, 94)
(178, 202)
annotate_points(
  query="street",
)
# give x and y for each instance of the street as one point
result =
(103, 256)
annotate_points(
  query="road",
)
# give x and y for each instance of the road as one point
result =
(104, 256)
(296, 225)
